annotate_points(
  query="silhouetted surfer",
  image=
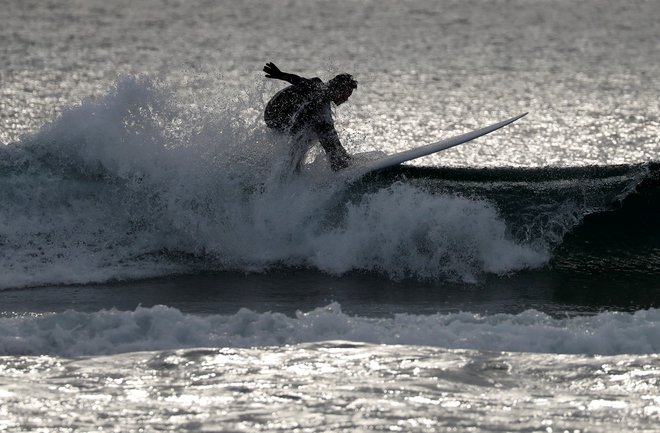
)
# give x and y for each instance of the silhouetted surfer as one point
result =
(303, 111)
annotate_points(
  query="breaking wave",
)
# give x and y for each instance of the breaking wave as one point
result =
(73, 333)
(132, 185)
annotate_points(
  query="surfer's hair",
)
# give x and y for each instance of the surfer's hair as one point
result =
(343, 81)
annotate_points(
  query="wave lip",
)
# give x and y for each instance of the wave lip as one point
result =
(73, 333)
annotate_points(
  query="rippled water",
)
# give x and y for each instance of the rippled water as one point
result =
(331, 387)
(151, 177)
(586, 71)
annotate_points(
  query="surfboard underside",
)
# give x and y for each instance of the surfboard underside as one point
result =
(428, 149)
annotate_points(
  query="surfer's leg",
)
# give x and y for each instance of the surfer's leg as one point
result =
(300, 145)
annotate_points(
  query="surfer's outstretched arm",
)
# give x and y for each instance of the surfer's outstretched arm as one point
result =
(273, 71)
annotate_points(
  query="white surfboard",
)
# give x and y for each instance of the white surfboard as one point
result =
(408, 155)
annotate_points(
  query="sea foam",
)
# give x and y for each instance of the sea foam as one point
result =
(73, 333)
(134, 185)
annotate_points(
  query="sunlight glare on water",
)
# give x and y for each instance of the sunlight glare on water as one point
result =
(427, 70)
(337, 386)
(169, 170)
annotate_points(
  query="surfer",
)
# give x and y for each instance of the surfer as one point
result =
(302, 110)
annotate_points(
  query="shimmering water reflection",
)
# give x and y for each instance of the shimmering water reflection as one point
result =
(587, 73)
(333, 386)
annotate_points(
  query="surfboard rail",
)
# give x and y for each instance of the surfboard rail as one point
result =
(427, 149)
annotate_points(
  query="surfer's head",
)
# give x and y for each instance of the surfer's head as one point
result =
(341, 88)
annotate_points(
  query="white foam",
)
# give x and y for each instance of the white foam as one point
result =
(161, 328)
(124, 186)
(404, 231)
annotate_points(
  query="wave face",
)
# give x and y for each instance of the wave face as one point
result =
(132, 185)
(592, 219)
(73, 333)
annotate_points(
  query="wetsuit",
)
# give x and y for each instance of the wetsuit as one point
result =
(303, 111)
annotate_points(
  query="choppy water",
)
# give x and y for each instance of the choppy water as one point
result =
(509, 284)
(332, 386)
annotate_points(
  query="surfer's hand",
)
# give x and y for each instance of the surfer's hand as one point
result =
(272, 71)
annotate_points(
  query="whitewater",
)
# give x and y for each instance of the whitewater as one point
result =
(116, 187)
(161, 270)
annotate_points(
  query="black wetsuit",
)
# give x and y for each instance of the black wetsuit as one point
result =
(303, 111)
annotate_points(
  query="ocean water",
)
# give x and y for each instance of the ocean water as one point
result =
(161, 271)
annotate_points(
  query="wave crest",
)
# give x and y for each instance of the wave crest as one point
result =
(133, 185)
(74, 333)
